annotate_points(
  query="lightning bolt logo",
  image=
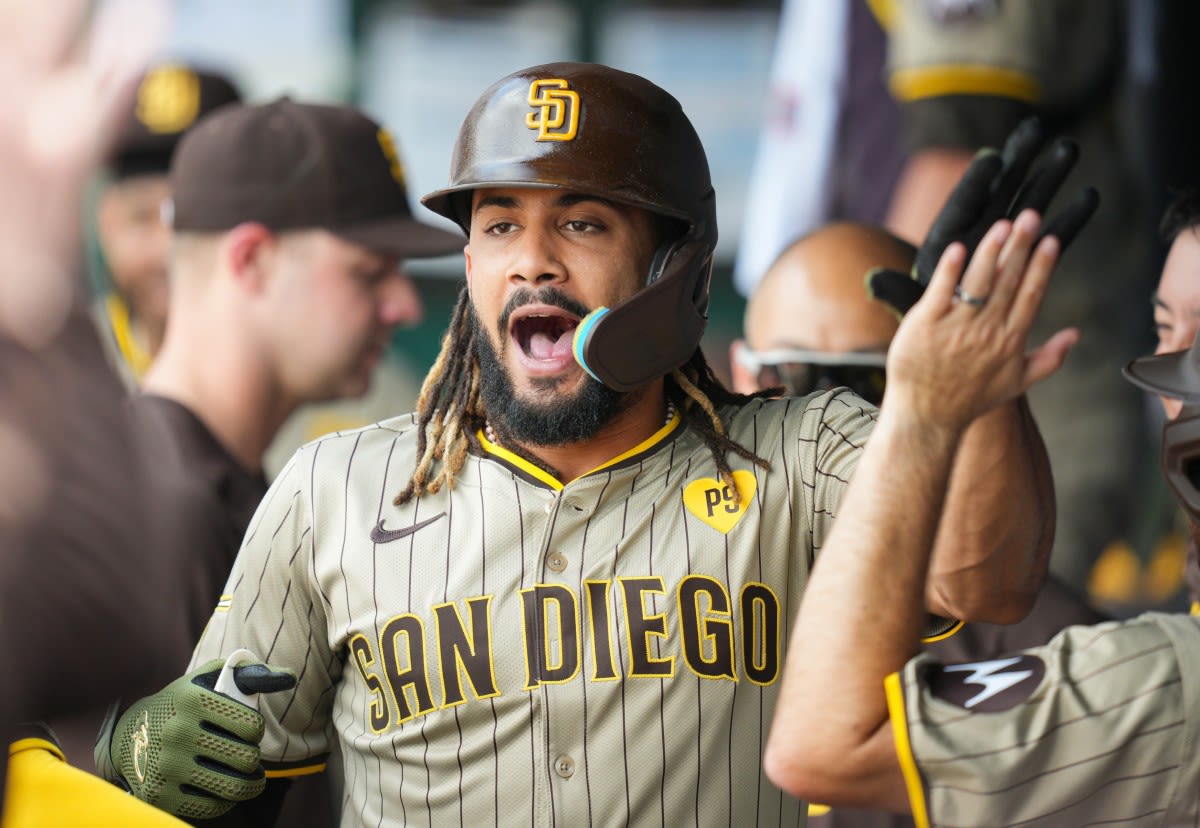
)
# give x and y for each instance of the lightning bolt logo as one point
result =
(959, 683)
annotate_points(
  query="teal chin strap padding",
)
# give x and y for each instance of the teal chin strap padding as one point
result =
(579, 341)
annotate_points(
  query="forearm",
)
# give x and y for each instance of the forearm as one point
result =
(994, 542)
(869, 579)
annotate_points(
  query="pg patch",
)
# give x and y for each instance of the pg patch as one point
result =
(986, 686)
(713, 501)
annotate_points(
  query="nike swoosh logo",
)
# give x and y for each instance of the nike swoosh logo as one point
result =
(381, 535)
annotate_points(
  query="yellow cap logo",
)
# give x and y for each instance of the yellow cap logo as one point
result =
(556, 110)
(388, 145)
(168, 99)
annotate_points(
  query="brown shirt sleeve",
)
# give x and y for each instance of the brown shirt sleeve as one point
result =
(84, 590)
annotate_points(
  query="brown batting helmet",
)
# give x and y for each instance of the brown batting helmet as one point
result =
(595, 130)
(1176, 375)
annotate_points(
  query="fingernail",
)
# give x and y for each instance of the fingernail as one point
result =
(1029, 219)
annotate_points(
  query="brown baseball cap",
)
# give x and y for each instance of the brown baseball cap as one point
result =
(170, 98)
(295, 166)
(1175, 374)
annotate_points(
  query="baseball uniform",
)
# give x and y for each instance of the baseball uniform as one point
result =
(522, 652)
(1096, 728)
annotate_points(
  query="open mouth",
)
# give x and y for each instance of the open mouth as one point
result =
(543, 333)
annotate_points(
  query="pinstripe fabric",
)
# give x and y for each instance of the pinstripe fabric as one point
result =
(591, 654)
(1107, 737)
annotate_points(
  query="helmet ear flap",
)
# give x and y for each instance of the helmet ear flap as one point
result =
(1181, 459)
(657, 329)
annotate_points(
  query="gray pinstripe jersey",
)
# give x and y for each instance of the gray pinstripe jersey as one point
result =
(605, 652)
(1098, 727)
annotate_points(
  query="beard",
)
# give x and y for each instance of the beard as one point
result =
(560, 419)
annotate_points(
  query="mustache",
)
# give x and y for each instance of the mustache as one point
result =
(541, 296)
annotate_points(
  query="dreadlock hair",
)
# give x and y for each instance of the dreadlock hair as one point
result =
(450, 413)
(702, 394)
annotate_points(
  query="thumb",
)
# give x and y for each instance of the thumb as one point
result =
(1047, 359)
(262, 678)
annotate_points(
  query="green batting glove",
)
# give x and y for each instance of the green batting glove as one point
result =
(994, 186)
(188, 749)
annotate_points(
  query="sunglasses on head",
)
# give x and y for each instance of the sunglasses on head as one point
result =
(802, 371)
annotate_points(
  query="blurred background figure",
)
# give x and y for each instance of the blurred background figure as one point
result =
(290, 222)
(1176, 322)
(810, 324)
(132, 231)
(85, 593)
(877, 108)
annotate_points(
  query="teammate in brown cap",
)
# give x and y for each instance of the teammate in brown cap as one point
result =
(131, 233)
(559, 592)
(290, 221)
(1096, 727)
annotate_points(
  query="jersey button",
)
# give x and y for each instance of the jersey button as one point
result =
(556, 562)
(564, 766)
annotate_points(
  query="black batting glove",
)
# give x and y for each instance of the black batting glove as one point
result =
(994, 186)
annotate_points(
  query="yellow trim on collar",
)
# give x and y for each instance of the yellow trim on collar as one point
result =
(963, 79)
(908, 763)
(553, 482)
(136, 357)
(642, 446)
(520, 462)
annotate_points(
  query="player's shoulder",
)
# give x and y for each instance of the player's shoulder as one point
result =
(839, 408)
(398, 434)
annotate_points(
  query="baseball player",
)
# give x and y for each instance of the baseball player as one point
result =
(813, 326)
(1176, 325)
(290, 221)
(131, 234)
(559, 592)
(1093, 728)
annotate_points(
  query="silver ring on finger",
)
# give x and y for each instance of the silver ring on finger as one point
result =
(968, 299)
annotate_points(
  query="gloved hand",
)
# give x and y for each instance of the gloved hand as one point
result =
(994, 186)
(188, 749)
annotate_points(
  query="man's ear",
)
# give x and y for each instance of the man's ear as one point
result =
(107, 210)
(249, 253)
(467, 260)
(743, 381)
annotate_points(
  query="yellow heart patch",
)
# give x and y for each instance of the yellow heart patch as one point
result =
(713, 502)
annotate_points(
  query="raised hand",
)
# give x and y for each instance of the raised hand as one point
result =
(961, 349)
(60, 99)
